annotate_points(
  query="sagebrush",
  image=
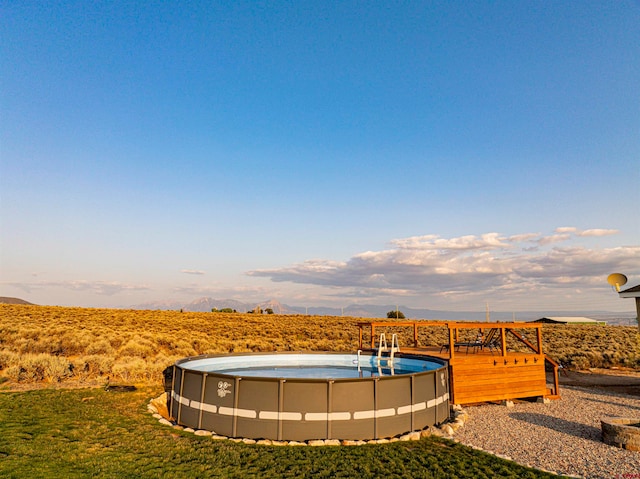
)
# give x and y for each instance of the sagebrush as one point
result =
(42, 344)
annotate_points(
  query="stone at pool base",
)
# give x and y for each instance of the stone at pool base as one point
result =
(447, 430)
(160, 405)
(622, 432)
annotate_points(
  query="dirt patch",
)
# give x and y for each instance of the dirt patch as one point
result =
(626, 381)
(12, 386)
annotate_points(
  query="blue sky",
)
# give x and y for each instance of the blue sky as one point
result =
(432, 154)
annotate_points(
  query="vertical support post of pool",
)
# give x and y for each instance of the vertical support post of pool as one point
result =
(180, 400)
(173, 384)
(204, 382)
(435, 390)
(329, 408)
(236, 398)
(375, 408)
(280, 407)
(413, 400)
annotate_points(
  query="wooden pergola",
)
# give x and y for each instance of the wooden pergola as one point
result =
(477, 373)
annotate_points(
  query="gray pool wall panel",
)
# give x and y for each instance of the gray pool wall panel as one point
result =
(305, 409)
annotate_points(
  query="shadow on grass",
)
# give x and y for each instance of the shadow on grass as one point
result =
(561, 425)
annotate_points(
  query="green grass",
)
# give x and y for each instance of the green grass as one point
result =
(93, 433)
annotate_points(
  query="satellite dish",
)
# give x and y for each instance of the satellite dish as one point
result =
(617, 280)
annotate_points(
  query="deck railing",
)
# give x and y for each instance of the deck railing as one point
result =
(510, 329)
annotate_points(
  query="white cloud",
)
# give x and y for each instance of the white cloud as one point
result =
(522, 238)
(434, 242)
(588, 232)
(106, 288)
(554, 238)
(566, 229)
(597, 232)
(192, 271)
(476, 266)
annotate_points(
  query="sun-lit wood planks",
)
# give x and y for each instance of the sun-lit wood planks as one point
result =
(482, 378)
(479, 373)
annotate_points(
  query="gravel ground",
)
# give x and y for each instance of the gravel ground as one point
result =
(563, 436)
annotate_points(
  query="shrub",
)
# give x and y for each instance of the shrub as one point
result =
(395, 314)
(131, 369)
(137, 344)
(40, 367)
(137, 347)
(93, 366)
(7, 358)
(101, 346)
(16, 373)
(56, 368)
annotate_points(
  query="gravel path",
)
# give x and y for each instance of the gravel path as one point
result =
(563, 436)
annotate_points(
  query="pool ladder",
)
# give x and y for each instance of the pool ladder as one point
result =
(384, 348)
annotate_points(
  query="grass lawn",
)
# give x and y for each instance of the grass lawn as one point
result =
(71, 433)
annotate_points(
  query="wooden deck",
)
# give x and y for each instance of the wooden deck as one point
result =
(482, 374)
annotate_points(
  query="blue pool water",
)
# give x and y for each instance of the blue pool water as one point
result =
(315, 372)
(310, 366)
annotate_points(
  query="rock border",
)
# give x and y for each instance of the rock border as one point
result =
(622, 432)
(447, 429)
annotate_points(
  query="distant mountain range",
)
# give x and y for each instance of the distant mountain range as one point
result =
(206, 304)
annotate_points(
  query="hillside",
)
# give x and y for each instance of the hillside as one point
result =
(8, 300)
(42, 344)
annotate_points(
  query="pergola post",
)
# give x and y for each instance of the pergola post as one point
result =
(373, 334)
(503, 341)
(539, 334)
(452, 340)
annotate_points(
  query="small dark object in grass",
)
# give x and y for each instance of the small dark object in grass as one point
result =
(118, 388)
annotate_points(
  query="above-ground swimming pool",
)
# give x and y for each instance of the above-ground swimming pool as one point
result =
(303, 396)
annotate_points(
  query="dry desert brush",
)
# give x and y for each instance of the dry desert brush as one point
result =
(50, 345)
